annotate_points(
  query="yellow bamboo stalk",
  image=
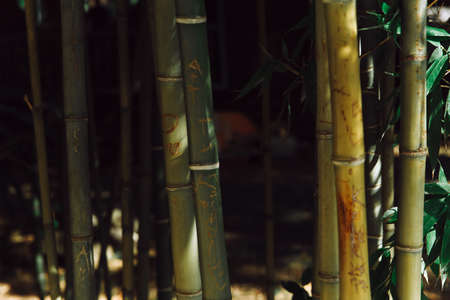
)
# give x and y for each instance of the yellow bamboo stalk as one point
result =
(326, 286)
(348, 148)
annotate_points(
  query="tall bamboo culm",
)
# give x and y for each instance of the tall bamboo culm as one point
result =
(169, 88)
(348, 148)
(204, 160)
(76, 126)
(267, 154)
(408, 248)
(41, 150)
(387, 155)
(125, 149)
(369, 84)
(327, 224)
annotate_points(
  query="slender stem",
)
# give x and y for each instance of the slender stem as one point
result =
(125, 149)
(76, 116)
(409, 228)
(326, 285)
(41, 151)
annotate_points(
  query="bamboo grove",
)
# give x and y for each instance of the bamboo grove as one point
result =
(381, 211)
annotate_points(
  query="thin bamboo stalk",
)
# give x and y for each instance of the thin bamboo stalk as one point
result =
(125, 149)
(164, 268)
(267, 154)
(143, 47)
(41, 151)
(387, 156)
(76, 116)
(408, 248)
(369, 84)
(169, 87)
(327, 283)
(204, 161)
(348, 148)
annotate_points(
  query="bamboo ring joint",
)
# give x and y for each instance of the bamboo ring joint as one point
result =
(413, 57)
(409, 249)
(375, 237)
(204, 167)
(192, 20)
(162, 78)
(324, 135)
(175, 188)
(421, 152)
(349, 162)
(190, 295)
(75, 118)
(329, 278)
(374, 187)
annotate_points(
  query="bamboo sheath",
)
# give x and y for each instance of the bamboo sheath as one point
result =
(268, 186)
(169, 87)
(369, 84)
(76, 117)
(409, 228)
(41, 150)
(204, 163)
(327, 284)
(387, 156)
(125, 149)
(348, 149)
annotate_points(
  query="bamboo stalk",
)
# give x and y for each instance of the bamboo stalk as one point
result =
(143, 49)
(169, 87)
(387, 156)
(76, 116)
(369, 84)
(327, 283)
(267, 154)
(164, 267)
(348, 148)
(41, 151)
(125, 149)
(409, 237)
(204, 161)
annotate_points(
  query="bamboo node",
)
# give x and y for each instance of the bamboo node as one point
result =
(191, 20)
(375, 187)
(174, 188)
(163, 78)
(415, 57)
(330, 278)
(75, 118)
(324, 135)
(349, 162)
(421, 152)
(189, 295)
(204, 167)
(409, 249)
(375, 237)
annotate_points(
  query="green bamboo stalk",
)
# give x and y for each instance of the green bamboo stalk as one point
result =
(125, 149)
(409, 237)
(267, 154)
(41, 150)
(369, 84)
(164, 272)
(348, 148)
(39, 264)
(387, 156)
(143, 47)
(191, 20)
(76, 116)
(327, 283)
(169, 87)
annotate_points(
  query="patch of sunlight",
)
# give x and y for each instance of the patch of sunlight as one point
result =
(17, 237)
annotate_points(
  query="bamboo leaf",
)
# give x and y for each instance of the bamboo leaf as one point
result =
(435, 73)
(442, 177)
(258, 78)
(437, 188)
(391, 215)
(436, 54)
(437, 34)
(433, 210)
(445, 250)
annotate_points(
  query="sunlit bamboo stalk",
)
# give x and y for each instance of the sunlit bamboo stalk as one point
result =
(169, 87)
(326, 285)
(348, 148)
(409, 236)
(76, 125)
(41, 150)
